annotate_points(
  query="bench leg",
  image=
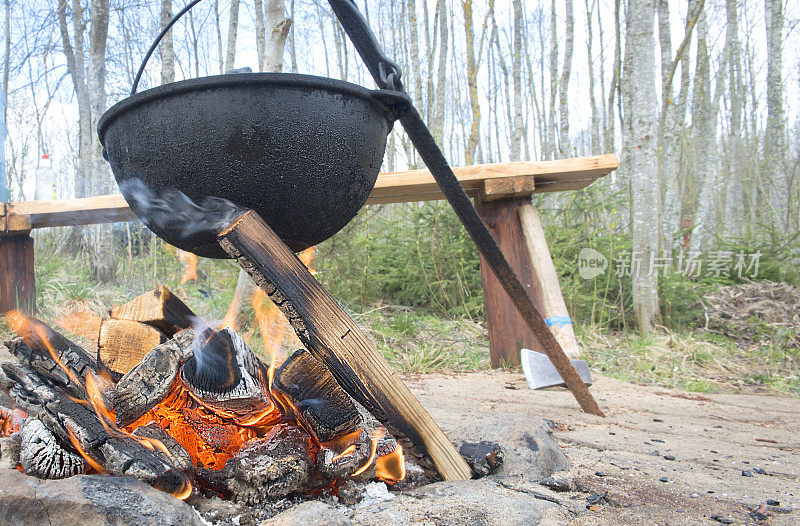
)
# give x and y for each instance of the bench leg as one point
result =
(17, 279)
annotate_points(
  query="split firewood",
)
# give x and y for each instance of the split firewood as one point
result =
(123, 343)
(311, 389)
(158, 308)
(176, 454)
(144, 386)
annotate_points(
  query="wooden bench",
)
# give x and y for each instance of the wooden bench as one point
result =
(499, 191)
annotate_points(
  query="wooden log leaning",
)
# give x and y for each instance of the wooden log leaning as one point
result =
(553, 308)
(334, 338)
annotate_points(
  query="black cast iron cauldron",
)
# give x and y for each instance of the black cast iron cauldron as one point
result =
(302, 151)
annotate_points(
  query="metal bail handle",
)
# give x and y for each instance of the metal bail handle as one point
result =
(385, 72)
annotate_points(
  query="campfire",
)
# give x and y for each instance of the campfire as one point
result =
(187, 408)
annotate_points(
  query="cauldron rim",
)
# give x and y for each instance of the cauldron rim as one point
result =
(229, 80)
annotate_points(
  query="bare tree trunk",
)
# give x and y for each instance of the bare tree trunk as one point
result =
(734, 198)
(563, 85)
(594, 131)
(673, 115)
(472, 84)
(775, 140)
(233, 26)
(614, 89)
(551, 128)
(219, 37)
(165, 48)
(644, 182)
(258, 5)
(278, 25)
(517, 130)
(441, 73)
(704, 119)
(102, 262)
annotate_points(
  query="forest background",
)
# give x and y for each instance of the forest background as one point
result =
(694, 97)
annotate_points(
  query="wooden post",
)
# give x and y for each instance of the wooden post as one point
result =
(18, 283)
(508, 332)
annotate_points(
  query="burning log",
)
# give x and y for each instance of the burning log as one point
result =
(123, 343)
(175, 453)
(73, 422)
(144, 386)
(42, 456)
(50, 354)
(158, 308)
(335, 339)
(223, 370)
(314, 393)
(268, 469)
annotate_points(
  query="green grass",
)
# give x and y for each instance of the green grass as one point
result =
(422, 339)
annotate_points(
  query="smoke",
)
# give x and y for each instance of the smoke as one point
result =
(173, 212)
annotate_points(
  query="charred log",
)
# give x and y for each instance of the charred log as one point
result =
(483, 457)
(149, 382)
(223, 369)
(342, 458)
(311, 389)
(52, 356)
(175, 455)
(268, 469)
(76, 425)
(42, 455)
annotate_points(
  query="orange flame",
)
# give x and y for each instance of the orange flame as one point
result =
(190, 266)
(344, 453)
(11, 421)
(376, 435)
(89, 460)
(81, 322)
(391, 468)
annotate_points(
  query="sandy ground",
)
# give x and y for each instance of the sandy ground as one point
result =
(660, 456)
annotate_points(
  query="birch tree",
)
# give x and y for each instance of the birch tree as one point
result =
(563, 84)
(734, 202)
(165, 47)
(775, 139)
(233, 28)
(89, 83)
(644, 164)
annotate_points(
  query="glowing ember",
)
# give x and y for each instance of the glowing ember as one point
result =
(11, 421)
(190, 266)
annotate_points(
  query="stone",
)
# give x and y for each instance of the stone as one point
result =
(9, 451)
(88, 500)
(557, 483)
(472, 502)
(214, 510)
(309, 513)
(530, 450)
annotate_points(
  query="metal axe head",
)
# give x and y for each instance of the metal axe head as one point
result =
(540, 372)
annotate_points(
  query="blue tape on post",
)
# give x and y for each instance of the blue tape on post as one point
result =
(558, 320)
